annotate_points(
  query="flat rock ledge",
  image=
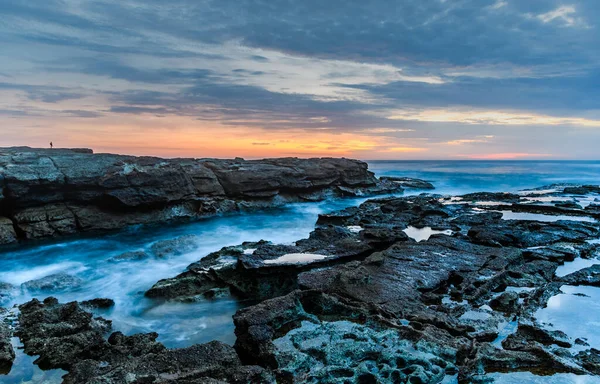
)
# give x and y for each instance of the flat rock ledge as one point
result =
(48, 193)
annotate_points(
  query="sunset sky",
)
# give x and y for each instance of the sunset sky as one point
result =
(411, 79)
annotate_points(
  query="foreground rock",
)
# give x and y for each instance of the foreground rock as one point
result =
(7, 354)
(47, 193)
(362, 301)
(66, 336)
(419, 289)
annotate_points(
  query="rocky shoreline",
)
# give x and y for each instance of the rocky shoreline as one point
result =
(50, 193)
(416, 289)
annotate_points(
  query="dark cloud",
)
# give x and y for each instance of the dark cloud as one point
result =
(140, 110)
(549, 95)
(46, 94)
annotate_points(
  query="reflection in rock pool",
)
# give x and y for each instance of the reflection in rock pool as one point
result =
(423, 234)
(576, 312)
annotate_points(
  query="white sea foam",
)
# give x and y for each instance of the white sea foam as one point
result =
(20, 276)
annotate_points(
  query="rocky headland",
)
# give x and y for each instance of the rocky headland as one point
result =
(48, 193)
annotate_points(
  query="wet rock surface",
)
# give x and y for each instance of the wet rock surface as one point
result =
(68, 337)
(50, 193)
(362, 300)
(462, 305)
(7, 353)
(409, 183)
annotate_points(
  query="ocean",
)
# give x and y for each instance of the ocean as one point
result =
(464, 176)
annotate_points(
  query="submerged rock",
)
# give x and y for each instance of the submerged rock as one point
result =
(175, 247)
(52, 283)
(130, 256)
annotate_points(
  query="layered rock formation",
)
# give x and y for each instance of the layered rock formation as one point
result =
(47, 193)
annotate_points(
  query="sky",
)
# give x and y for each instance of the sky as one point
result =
(369, 79)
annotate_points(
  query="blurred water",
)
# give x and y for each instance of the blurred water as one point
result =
(457, 177)
(182, 325)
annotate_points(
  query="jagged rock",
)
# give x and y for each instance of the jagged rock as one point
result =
(530, 332)
(7, 354)
(359, 301)
(259, 274)
(406, 288)
(526, 234)
(343, 351)
(175, 247)
(587, 276)
(506, 302)
(48, 193)
(569, 205)
(409, 183)
(582, 190)
(59, 333)
(66, 336)
(491, 196)
(590, 360)
(98, 304)
(7, 231)
(52, 283)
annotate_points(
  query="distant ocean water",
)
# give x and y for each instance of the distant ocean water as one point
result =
(465, 176)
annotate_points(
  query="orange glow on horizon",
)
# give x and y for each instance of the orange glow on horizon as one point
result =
(186, 137)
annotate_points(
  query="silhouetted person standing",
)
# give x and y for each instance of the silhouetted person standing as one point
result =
(51, 145)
